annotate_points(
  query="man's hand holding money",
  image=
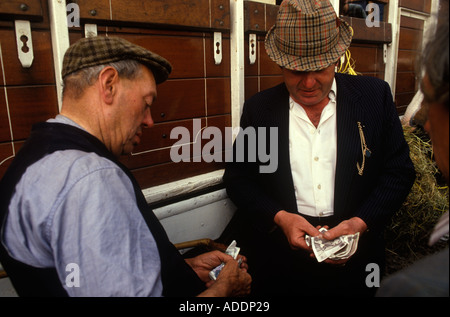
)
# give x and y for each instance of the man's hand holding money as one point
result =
(295, 228)
(347, 232)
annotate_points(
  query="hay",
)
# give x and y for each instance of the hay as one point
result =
(409, 230)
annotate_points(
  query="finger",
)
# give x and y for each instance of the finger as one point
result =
(312, 231)
(300, 244)
(333, 233)
(223, 257)
(242, 258)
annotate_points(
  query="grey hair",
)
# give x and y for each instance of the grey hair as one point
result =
(435, 61)
(75, 84)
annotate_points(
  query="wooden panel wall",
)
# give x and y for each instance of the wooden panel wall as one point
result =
(27, 95)
(264, 73)
(410, 46)
(197, 88)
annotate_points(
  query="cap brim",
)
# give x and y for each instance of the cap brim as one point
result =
(309, 63)
(89, 52)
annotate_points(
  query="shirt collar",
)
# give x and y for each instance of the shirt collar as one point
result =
(63, 119)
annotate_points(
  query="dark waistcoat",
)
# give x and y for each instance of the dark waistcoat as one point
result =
(178, 279)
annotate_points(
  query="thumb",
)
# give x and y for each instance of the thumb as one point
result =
(330, 234)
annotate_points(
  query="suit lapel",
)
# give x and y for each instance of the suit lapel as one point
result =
(279, 117)
(349, 112)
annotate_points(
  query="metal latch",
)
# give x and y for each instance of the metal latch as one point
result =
(217, 48)
(90, 30)
(252, 48)
(24, 43)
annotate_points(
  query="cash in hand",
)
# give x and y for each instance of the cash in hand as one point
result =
(232, 250)
(340, 248)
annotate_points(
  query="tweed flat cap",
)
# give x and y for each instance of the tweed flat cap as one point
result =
(307, 35)
(100, 50)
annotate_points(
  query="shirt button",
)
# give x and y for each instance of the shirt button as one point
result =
(316, 159)
(321, 213)
(319, 186)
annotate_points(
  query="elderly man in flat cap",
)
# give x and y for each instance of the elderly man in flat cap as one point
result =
(343, 163)
(74, 220)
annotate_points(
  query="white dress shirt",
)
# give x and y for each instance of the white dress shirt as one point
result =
(313, 157)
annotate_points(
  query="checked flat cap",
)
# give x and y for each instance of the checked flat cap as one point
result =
(101, 50)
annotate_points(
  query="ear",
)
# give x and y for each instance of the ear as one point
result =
(108, 80)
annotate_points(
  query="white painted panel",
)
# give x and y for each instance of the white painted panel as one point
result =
(201, 217)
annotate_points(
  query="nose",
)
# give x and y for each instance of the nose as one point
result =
(148, 120)
(308, 80)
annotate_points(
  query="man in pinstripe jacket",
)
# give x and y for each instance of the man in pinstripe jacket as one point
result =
(342, 161)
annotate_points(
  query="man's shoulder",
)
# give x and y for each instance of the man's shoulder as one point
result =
(360, 80)
(63, 168)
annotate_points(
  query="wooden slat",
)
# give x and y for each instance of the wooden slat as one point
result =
(30, 10)
(254, 16)
(29, 105)
(220, 14)
(411, 23)
(364, 34)
(159, 135)
(146, 159)
(157, 174)
(418, 5)
(169, 172)
(259, 17)
(406, 82)
(179, 99)
(267, 66)
(40, 72)
(410, 39)
(184, 53)
(407, 60)
(4, 123)
(218, 96)
(175, 13)
(368, 58)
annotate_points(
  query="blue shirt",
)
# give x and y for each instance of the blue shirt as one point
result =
(77, 211)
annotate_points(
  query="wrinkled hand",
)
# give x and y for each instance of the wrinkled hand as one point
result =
(295, 227)
(233, 280)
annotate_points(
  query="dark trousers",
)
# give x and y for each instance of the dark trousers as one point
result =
(277, 270)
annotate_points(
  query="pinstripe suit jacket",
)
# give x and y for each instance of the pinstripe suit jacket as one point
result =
(374, 197)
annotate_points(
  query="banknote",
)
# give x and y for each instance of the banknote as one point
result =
(342, 247)
(232, 250)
